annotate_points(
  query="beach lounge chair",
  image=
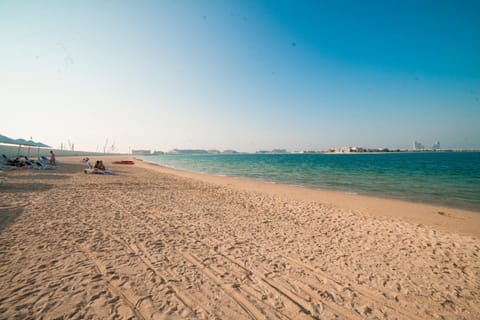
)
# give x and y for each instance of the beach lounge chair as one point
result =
(40, 165)
(97, 171)
(44, 163)
(7, 163)
(43, 166)
(45, 160)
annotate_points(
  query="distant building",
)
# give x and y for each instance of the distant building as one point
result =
(188, 151)
(157, 152)
(274, 151)
(141, 152)
(417, 145)
(229, 151)
(436, 145)
(344, 149)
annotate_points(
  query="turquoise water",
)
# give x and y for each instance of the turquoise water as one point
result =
(442, 178)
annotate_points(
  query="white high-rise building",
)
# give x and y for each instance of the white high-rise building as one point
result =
(436, 145)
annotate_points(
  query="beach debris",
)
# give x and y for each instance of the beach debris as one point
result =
(266, 221)
(123, 162)
(368, 310)
(448, 304)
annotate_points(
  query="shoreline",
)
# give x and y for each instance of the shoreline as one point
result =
(425, 181)
(445, 218)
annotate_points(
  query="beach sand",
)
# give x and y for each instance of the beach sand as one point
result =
(157, 243)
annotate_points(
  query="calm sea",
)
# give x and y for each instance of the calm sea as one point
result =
(442, 178)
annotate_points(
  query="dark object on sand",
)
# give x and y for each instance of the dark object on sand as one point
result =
(123, 162)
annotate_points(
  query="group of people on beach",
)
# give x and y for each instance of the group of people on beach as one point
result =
(98, 168)
(24, 161)
(99, 165)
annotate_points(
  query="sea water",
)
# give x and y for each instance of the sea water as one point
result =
(442, 178)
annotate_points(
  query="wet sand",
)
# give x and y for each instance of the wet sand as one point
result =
(156, 243)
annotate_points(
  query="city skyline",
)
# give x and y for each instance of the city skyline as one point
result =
(241, 75)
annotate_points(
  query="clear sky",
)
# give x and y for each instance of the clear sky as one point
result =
(246, 75)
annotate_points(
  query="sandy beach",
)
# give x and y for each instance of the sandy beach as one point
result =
(156, 243)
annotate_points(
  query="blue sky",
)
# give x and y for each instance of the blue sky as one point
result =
(246, 75)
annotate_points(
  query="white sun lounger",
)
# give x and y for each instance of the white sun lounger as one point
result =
(97, 171)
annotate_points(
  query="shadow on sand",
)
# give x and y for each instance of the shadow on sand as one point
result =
(24, 187)
(9, 212)
(40, 176)
(71, 168)
(8, 215)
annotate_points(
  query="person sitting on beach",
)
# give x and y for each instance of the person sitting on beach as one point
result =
(98, 168)
(52, 158)
(99, 165)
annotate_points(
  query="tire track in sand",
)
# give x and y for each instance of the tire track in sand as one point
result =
(235, 296)
(127, 295)
(369, 294)
(278, 286)
(213, 276)
(303, 305)
(281, 287)
(185, 299)
(189, 301)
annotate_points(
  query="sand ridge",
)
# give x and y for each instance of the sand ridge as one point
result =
(146, 244)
